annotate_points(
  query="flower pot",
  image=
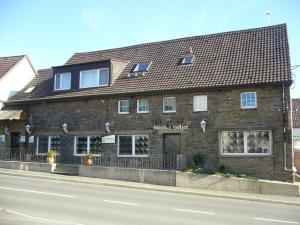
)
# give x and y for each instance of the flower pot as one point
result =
(28, 157)
(50, 160)
(89, 162)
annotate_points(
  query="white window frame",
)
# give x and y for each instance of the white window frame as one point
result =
(98, 78)
(87, 148)
(119, 105)
(37, 145)
(245, 135)
(241, 100)
(194, 101)
(133, 145)
(138, 103)
(137, 66)
(184, 63)
(60, 82)
(171, 111)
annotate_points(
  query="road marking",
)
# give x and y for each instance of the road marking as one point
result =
(124, 203)
(278, 221)
(194, 211)
(38, 192)
(40, 218)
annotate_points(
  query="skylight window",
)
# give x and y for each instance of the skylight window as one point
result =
(142, 67)
(187, 60)
(30, 89)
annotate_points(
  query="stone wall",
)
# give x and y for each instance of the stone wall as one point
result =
(87, 117)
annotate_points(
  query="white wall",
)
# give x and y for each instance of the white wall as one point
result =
(16, 79)
(296, 133)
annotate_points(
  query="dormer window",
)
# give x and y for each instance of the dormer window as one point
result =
(94, 78)
(62, 81)
(187, 60)
(142, 67)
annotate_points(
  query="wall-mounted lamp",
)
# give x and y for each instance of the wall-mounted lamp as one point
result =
(65, 128)
(28, 129)
(6, 130)
(203, 124)
(107, 127)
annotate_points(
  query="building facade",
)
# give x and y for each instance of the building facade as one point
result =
(224, 95)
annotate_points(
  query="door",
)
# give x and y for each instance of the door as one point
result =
(171, 147)
(15, 144)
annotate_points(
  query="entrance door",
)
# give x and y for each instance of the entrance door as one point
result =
(171, 147)
(172, 144)
(15, 144)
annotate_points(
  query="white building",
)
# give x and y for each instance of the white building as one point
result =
(15, 73)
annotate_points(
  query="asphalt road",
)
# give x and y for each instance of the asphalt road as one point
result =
(30, 201)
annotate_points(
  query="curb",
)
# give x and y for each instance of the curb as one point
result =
(159, 189)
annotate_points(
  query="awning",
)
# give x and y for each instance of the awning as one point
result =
(11, 114)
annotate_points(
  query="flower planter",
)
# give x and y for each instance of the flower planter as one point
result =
(89, 162)
(50, 160)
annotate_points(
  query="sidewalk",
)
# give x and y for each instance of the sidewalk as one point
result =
(150, 187)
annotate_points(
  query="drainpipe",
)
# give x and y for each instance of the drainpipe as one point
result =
(284, 121)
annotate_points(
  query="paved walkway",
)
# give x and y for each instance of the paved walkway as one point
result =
(141, 186)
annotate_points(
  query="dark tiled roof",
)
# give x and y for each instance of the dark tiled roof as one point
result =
(6, 63)
(246, 57)
(296, 112)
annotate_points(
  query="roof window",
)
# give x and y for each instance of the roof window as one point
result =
(29, 90)
(187, 60)
(142, 67)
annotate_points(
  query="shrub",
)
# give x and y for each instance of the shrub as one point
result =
(51, 154)
(222, 169)
(89, 156)
(198, 159)
(190, 170)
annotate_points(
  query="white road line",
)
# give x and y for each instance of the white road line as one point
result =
(278, 221)
(123, 203)
(40, 218)
(38, 192)
(194, 211)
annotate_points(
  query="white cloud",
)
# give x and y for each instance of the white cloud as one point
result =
(92, 17)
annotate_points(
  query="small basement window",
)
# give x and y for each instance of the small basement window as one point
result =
(142, 67)
(187, 60)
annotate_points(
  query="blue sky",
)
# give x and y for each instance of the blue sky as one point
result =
(51, 31)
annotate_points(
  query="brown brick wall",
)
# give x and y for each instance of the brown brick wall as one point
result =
(297, 160)
(224, 113)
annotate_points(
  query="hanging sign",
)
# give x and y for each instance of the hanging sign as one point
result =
(22, 139)
(31, 139)
(110, 139)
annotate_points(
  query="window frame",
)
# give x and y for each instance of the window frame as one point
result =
(119, 104)
(204, 110)
(98, 78)
(60, 81)
(135, 70)
(87, 147)
(137, 105)
(171, 111)
(246, 153)
(183, 63)
(132, 145)
(241, 100)
(48, 144)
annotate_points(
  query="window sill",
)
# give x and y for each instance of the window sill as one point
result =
(135, 156)
(200, 111)
(169, 112)
(246, 156)
(248, 108)
(143, 112)
(124, 113)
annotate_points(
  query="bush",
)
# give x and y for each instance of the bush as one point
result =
(89, 156)
(198, 159)
(51, 154)
(222, 169)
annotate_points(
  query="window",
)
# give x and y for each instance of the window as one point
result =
(47, 143)
(200, 103)
(29, 90)
(123, 106)
(42, 145)
(86, 144)
(94, 78)
(54, 143)
(169, 104)
(257, 142)
(62, 81)
(248, 100)
(187, 60)
(143, 105)
(137, 145)
(142, 67)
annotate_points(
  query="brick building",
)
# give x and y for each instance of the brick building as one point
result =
(225, 95)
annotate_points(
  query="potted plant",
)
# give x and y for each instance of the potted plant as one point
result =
(89, 159)
(50, 156)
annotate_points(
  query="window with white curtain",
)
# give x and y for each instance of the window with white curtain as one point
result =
(62, 81)
(200, 103)
(94, 78)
